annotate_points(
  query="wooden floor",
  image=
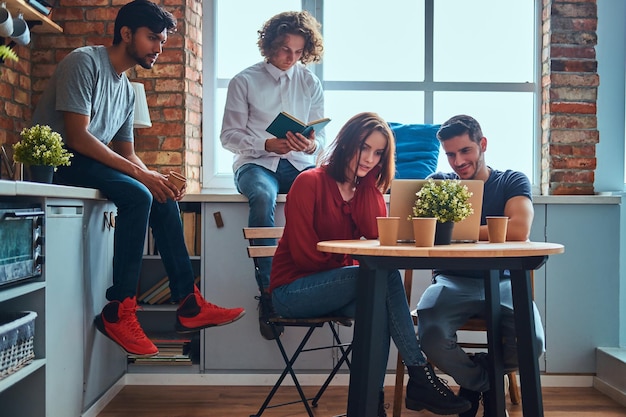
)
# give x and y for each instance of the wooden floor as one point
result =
(240, 401)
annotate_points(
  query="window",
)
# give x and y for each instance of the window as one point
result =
(410, 61)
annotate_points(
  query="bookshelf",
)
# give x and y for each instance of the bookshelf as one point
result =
(157, 315)
(32, 15)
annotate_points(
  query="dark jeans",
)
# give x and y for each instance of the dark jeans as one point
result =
(135, 210)
(261, 186)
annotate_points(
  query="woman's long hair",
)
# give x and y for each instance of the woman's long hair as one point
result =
(349, 142)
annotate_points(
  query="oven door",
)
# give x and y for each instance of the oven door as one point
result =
(20, 243)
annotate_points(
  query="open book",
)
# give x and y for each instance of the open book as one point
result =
(285, 122)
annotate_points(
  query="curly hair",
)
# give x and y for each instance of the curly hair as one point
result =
(272, 35)
(349, 142)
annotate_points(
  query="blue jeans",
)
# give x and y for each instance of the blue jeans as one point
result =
(333, 293)
(261, 186)
(445, 306)
(135, 210)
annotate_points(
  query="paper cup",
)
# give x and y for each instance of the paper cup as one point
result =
(496, 227)
(388, 230)
(178, 180)
(424, 231)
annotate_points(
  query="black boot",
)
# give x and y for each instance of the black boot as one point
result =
(427, 390)
(381, 405)
(473, 397)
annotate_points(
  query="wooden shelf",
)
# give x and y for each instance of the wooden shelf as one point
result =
(32, 15)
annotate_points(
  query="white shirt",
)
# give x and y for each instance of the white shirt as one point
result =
(254, 99)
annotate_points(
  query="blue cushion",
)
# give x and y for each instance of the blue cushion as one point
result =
(417, 149)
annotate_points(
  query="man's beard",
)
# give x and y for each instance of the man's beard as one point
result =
(132, 52)
(480, 163)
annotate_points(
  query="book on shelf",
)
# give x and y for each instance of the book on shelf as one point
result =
(285, 122)
(41, 6)
(161, 359)
(150, 247)
(189, 230)
(161, 296)
(198, 241)
(151, 292)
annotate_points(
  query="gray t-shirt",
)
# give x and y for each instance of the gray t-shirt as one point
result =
(86, 83)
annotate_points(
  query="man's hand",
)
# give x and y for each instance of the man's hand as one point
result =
(300, 143)
(293, 142)
(277, 145)
(160, 187)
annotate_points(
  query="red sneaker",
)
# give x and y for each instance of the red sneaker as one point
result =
(196, 313)
(118, 322)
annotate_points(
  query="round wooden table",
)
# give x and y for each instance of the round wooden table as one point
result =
(375, 260)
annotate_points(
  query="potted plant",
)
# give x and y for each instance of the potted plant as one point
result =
(445, 200)
(41, 151)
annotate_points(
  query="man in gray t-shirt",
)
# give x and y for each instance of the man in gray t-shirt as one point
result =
(90, 102)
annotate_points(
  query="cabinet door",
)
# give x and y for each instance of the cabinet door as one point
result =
(64, 307)
(104, 361)
(229, 281)
(582, 285)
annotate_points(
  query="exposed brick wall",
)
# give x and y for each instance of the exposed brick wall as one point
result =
(15, 87)
(173, 87)
(569, 92)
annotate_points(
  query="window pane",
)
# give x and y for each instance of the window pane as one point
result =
(506, 120)
(378, 43)
(480, 41)
(393, 106)
(237, 31)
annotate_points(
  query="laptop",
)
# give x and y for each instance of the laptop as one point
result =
(402, 199)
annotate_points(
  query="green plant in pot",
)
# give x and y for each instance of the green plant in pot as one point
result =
(446, 200)
(40, 149)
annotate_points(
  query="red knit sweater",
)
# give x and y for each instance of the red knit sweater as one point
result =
(315, 211)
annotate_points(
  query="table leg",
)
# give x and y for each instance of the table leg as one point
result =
(494, 343)
(366, 347)
(532, 401)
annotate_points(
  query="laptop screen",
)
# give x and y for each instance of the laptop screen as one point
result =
(402, 198)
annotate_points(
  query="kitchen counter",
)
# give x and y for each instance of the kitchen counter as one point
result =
(25, 188)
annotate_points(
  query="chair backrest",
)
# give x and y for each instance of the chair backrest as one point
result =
(257, 250)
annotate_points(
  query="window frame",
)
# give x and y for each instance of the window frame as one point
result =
(210, 127)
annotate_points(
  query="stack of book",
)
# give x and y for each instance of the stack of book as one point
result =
(173, 350)
(159, 293)
(192, 231)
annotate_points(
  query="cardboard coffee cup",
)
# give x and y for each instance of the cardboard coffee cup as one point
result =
(388, 230)
(496, 228)
(177, 179)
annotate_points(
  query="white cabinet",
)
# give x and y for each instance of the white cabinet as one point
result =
(104, 361)
(22, 393)
(229, 281)
(64, 307)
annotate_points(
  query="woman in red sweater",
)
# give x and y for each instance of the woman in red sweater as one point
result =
(340, 199)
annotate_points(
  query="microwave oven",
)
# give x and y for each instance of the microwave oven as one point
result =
(21, 241)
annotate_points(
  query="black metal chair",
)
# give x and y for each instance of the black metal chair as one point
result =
(277, 323)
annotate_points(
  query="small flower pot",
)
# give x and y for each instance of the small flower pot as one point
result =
(39, 173)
